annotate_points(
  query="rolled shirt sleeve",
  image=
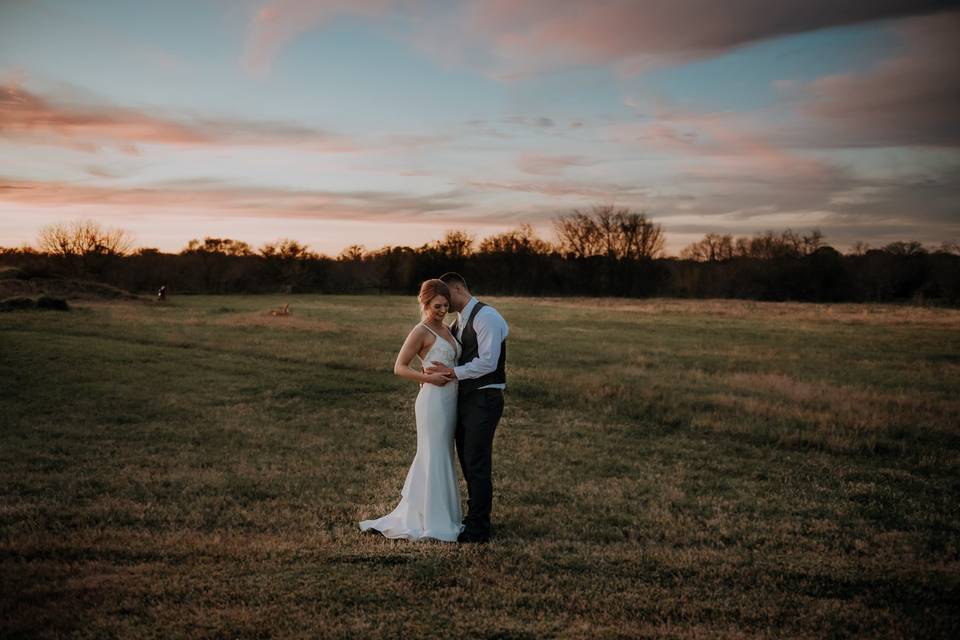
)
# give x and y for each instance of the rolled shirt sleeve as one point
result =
(491, 331)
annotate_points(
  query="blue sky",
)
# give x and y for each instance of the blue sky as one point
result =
(384, 122)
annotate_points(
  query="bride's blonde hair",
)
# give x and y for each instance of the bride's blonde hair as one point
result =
(429, 290)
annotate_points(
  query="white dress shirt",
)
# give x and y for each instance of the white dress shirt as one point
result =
(491, 330)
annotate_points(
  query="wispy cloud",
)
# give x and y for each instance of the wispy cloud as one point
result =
(215, 198)
(549, 165)
(563, 188)
(539, 34)
(539, 122)
(717, 143)
(511, 39)
(30, 117)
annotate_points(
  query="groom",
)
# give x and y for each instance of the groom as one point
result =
(482, 333)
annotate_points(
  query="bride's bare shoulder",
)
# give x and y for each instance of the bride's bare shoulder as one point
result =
(418, 332)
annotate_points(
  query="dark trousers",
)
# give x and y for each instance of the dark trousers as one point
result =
(478, 413)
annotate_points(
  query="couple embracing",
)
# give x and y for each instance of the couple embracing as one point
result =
(459, 405)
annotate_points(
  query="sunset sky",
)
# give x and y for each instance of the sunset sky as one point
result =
(387, 122)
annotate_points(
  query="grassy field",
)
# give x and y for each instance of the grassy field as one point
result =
(663, 469)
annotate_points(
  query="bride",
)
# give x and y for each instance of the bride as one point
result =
(430, 500)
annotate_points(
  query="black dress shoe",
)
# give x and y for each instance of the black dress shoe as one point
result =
(469, 537)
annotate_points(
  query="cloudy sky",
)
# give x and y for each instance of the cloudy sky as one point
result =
(386, 122)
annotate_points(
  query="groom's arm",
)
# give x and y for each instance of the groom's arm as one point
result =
(490, 335)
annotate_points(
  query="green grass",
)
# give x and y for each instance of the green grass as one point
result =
(663, 469)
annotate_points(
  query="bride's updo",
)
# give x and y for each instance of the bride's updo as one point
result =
(430, 289)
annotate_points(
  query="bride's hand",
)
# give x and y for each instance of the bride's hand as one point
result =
(437, 378)
(439, 367)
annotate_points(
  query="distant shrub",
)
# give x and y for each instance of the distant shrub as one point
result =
(17, 303)
(52, 303)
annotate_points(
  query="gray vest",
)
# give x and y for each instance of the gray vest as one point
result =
(470, 350)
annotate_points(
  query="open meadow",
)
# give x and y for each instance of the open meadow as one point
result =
(664, 468)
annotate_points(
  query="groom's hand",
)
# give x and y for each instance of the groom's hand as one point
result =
(439, 367)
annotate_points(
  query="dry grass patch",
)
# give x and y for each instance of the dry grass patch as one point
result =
(873, 314)
(665, 468)
(259, 319)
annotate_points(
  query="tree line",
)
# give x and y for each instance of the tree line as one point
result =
(605, 251)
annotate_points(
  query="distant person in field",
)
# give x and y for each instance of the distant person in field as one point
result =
(461, 400)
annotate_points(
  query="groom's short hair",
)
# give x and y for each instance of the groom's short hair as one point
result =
(451, 277)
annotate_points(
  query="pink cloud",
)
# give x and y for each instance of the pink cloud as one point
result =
(911, 98)
(719, 144)
(27, 116)
(510, 39)
(533, 35)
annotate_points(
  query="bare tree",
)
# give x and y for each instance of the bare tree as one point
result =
(287, 262)
(286, 249)
(577, 234)
(858, 248)
(455, 244)
(713, 248)
(949, 247)
(352, 253)
(606, 231)
(811, 242)
(911, 248)
(523, 239)
(57, 240)
(84, 238)
(767, 245)
(224, 246)
(771, 244)
(641, 238)
(607, 222)
(741, 247)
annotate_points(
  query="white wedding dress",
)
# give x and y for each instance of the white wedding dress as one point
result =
(430, 500)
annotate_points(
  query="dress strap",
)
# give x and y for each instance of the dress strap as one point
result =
(429, 329)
